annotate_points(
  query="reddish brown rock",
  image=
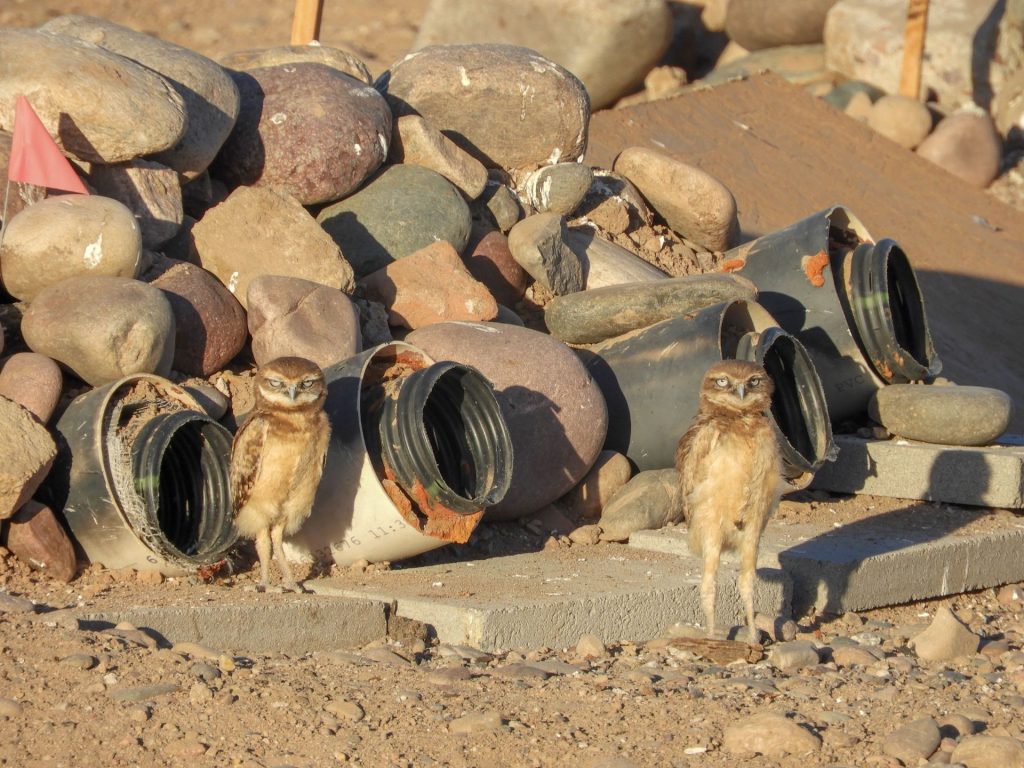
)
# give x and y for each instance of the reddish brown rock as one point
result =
(490, 261)
(293, 317)
(965, 144)
(556, 415)
(33, 381)
(610, 472)
(429, 286)
(209, 323)
(36, 537)
(307, 129)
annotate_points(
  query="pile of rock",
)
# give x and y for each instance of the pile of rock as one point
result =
(286, 206)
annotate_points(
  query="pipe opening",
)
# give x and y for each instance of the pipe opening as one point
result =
(798, 406)
(910, 327)
(179, 468)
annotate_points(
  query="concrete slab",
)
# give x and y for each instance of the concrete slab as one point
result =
(991, 476)
(895, 557)
(298, 624)
(547, 599)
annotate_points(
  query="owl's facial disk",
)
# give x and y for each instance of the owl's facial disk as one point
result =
(740, 386)
(303, 391)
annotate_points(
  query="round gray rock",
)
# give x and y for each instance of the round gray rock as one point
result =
(260, 231)
(989, 752)
(293, 317)
(771, 734)
(102, 328)
(945, 414)
(693, 203)
(403, 209)
(965, 144)
(140, 113)
(756, 24)
(209, 94)
(595, 315)
(508, 106)
(650, 500)
(556, 415)
(559, 188)
(913, 741)
(210, 327)
(68, 236)
(307, 129)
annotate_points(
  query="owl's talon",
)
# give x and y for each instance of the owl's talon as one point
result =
(294, 586)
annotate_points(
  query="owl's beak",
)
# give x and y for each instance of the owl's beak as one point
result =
(291, 391)
(740, 390)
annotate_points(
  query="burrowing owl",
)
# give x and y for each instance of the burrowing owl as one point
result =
(277, 458)
(729, 474)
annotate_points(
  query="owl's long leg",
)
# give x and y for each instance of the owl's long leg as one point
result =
(288, 581)
(748, 568)
(712, 551)
(263, 550)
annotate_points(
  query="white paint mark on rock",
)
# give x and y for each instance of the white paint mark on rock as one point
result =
(464, 77)
(383, 143)
(233, 282)
(94, 253)
(358, 149)
(278, 117)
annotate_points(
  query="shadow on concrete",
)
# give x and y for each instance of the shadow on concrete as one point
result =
(828, 569)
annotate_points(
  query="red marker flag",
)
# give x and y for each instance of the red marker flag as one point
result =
(35, 157)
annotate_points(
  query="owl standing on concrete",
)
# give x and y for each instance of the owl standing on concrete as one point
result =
(729, 472)
(277, 458)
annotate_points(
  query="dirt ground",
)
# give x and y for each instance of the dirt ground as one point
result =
(84, 696)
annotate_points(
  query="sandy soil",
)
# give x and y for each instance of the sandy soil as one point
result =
(83, 696)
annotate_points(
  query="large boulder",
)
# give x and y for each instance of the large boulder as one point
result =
(26, 455)
(467, 91)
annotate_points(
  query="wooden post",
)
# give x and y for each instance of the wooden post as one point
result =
(913, 48)
(306, 21)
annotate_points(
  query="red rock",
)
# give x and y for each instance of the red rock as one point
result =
(36, 537)
(490, 261)
(429, 286)
(33, 381)
(209, 322)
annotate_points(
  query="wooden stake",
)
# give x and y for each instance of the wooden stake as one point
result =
(913, 48)
(306, 21)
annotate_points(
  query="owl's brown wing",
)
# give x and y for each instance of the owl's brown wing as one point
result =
(697, 443)
(246, 458)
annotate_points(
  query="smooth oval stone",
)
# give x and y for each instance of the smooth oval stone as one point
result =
(538, 244)
(33, 381)
(965, 144)
(429, 286)
(693, 203)
(139, 113)
(210, 326)
(500, 204)
(945, 414)
(756, 24)
(261, 231)
(605, 263)
(465, 91)
(26, 455)
(902, 119)
(913, 741)
(610, 472)
(417, 142)
(989, 752)
(299, 318)
(71, 235)
(623, 39)
(595, 315)
(556, 415)
(559, 188)
(490, 261)
(307, 129)
(801, 65)
(151, 191)
(648, 501)
(771, 734)
(209, 94)
(36, 537)
(312, 53)
(102, 328)
(429, 207)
